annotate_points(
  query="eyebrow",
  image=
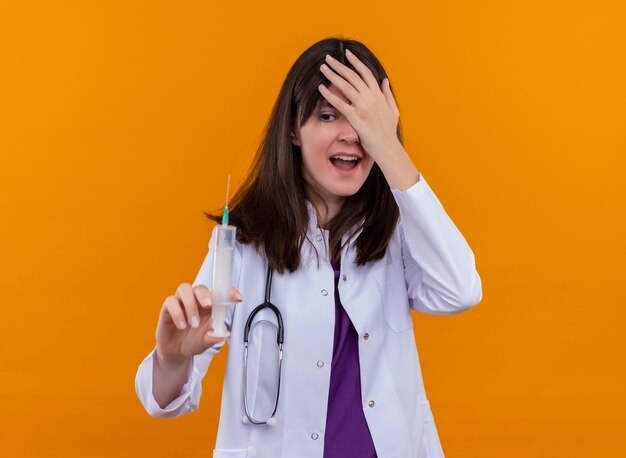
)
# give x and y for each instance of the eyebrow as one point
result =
(326, 104)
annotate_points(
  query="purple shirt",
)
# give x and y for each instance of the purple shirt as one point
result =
(347, 434)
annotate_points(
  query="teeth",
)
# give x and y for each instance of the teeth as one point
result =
(346, 158)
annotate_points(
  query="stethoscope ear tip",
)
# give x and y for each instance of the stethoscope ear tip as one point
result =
(246, 420)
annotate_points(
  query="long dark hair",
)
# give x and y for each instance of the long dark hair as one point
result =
(270, 210)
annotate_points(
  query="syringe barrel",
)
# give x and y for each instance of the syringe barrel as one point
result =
(223, 264)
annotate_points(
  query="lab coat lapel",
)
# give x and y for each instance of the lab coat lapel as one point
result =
(358, 292)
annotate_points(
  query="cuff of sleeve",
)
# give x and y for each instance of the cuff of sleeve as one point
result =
(414, 192)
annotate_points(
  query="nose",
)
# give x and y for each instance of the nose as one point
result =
(347, 133)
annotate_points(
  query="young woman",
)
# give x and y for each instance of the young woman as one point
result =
(355, 238)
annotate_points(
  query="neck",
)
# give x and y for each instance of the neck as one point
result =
(324, 217)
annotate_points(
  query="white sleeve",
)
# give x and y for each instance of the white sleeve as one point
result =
(189, 397)
(439, 265)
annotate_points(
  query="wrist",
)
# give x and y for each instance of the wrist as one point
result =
(398, 168)
(172, 362)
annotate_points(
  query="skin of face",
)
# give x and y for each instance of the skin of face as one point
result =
(325, 134)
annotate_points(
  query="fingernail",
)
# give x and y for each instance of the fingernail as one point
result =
(182, 324)
(329, 57)
(348, 52)
(206, 301)
(195, 322)
(238, 296)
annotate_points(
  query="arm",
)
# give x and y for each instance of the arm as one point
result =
(186, 398)
(168, 377)
(439, 265)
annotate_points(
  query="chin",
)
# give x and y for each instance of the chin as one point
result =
(347, 192)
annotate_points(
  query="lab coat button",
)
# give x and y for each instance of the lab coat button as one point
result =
(344, 278)
(320, 364)
(324, 292)
(366, 336)
(371, 403)
(318, 237)
(314, 436)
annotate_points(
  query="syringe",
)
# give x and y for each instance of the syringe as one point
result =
(222, 272)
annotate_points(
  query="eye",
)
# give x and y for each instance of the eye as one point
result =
(326, 114)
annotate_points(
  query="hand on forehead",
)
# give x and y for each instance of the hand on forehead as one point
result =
(335, 90)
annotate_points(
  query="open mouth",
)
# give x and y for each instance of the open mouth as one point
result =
(345, 163)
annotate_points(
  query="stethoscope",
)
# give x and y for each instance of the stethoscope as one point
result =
(271, 421)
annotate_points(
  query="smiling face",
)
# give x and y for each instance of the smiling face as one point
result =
(325, 134)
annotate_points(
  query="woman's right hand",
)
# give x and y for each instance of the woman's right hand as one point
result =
(184, 321)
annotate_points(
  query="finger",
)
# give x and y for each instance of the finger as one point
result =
(391, 101)
(236, 295)
(172, 306)
(363, 69)
(335, 101)
(209, 341)
(203, 296)
(350, 92)
(185, 294)
(350, 75)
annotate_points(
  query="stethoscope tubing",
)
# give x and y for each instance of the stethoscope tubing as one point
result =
(279, 341)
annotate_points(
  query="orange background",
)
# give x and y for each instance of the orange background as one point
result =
(121, 120)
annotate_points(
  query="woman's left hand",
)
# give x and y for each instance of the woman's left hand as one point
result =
(372, 113)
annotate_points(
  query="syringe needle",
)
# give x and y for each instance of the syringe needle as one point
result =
(225, 215)
(227, 190)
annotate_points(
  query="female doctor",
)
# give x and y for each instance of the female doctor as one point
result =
(355, 239)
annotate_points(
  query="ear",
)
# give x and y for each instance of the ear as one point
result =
(295, 140)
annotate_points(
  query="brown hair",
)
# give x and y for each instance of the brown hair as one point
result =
(270, 210)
